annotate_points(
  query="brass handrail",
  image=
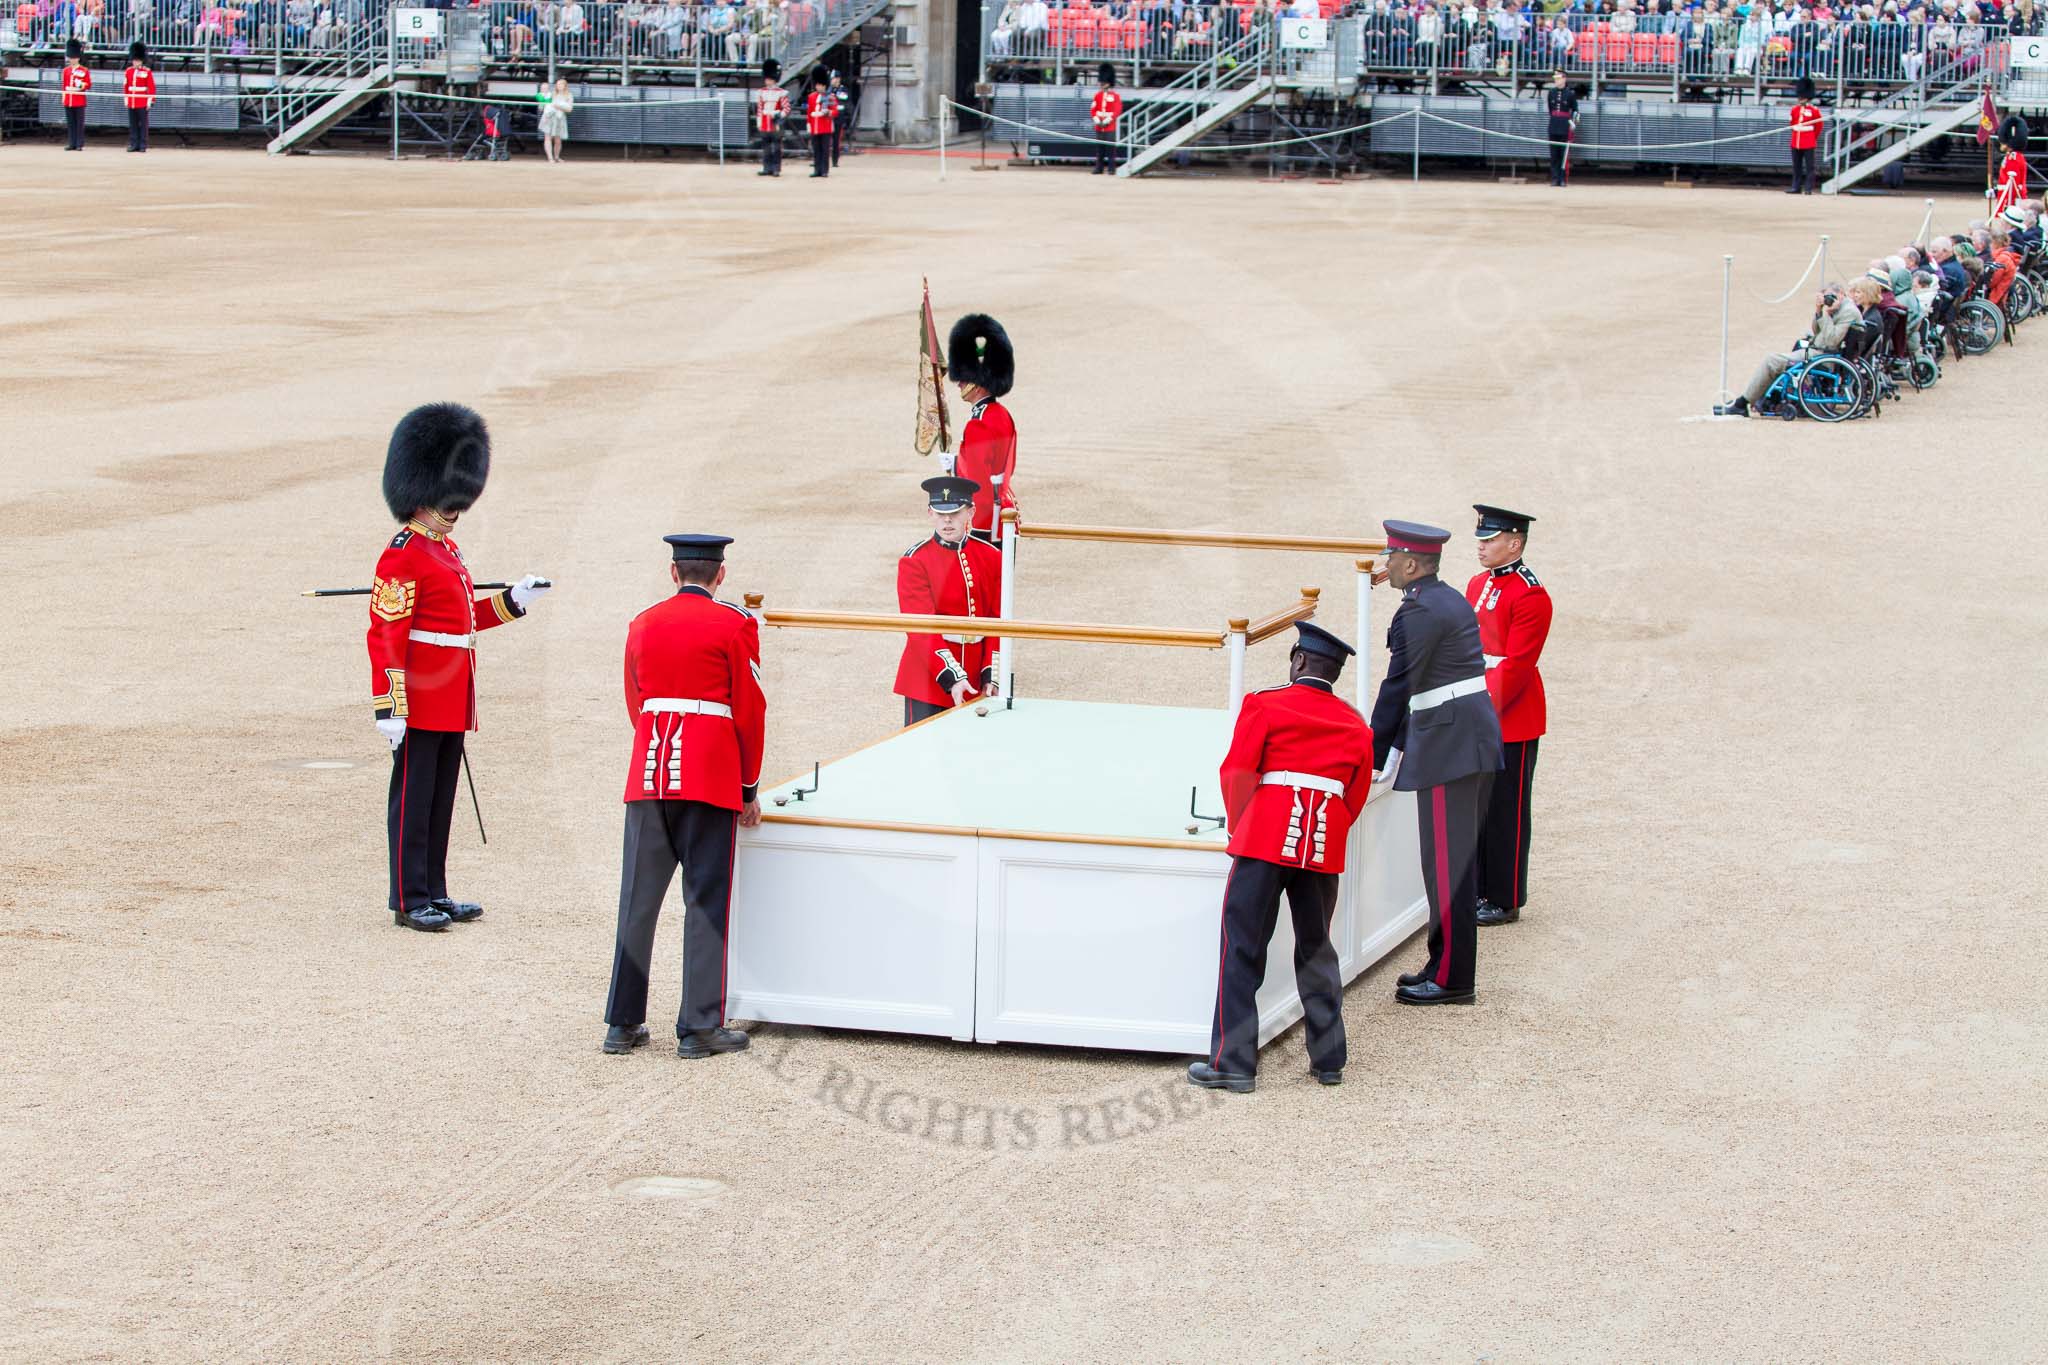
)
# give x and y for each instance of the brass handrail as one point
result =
(1223, 540)
(1267, 627)
(1074, 632)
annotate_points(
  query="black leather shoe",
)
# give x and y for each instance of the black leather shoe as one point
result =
(1334, 1076)
(426, 918)
(1489, 913)
(458, 912)
(624, 1038)
(1429, 993)
(1411, 978)
(708, 1042)
(1209, 1078)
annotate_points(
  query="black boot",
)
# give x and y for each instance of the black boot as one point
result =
(707, 1042)
(1209, 1078)
(624, 1038)
(426, 918)
(1489, 913)
(458, 912)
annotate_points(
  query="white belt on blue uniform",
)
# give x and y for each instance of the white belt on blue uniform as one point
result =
(683, 706)
(435, 637)
(1308, 781)
(1437, 696)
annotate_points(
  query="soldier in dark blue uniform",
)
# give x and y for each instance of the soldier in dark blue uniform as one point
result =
(1434, 709)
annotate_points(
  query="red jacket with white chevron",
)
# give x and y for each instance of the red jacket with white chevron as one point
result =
(936, 579)
(1514, 621)
(693, 690)
(1305, 729)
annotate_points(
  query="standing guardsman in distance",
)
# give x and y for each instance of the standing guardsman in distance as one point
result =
(1433, 707)
(948, 573)
(1296, 777)
(693, 692)
(77, 79)
(424, 619)
(979, 359)
(771, 106)
(2013, 137)
(1103, 112)
(138, 92)
(1513, 611)
(1806, 125)
(1561, 106)
(820, 112)
(842, 116)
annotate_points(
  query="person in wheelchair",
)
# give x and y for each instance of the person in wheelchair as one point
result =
(1954, 282)
(2023, 224)
(1834, 313)
(1889, 315)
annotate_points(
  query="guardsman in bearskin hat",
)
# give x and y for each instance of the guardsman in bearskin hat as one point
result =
(138, 92)
(1513, 611)
(1434, 708)
(1104, 109)
(771, 106)
(2013, 137)
(424, 619)
(1806, 125)
(1296, 777)
(821, 112)
(980, 361)
(76, 81)
(693, 691)
(948, 573)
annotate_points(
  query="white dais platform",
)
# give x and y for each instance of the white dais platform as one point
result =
(1028, 876)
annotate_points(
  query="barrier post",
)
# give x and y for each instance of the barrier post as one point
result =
(391, 44)
(1006, 655)
(1364, 568)
(942, 137)
(1727, 277)
(1235, 643)
(1415, 123)
(1823, 260)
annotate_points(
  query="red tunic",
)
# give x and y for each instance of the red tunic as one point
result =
(1105, 109)
(422, 585)
(77, 80)
(1514, 621)
(934, 579)
(694, 648)
(818, 111)
(2012, 182)
(988, 455)
(1806, 121)
(139, 88)
(1301, 728)
(773, 104)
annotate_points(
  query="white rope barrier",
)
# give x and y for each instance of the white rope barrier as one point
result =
(1797, 284)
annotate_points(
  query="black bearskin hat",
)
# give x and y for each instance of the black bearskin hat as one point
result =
(137, 52)
(74, 50)
(439, 457)
(820, 77)
(2013, 132)
(1804, 89)
(978, 352)
(1105, 75)
(771, 70)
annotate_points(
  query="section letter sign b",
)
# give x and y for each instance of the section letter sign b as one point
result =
(416, 23)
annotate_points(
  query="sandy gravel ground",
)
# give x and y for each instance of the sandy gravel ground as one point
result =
(1759, 1077)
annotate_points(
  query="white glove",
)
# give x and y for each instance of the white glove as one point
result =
(527, 591)
(1386, 774)
(393, 729)
(961, 692)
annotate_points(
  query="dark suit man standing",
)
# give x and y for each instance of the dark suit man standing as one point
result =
(1434, 709)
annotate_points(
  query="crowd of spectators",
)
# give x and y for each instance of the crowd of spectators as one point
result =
(1905, 305)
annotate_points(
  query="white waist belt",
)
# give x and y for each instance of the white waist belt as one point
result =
(964, 639)
(1308, 781)
(683, 706)
(434, 637)
(1495, 660)
(1437, 696)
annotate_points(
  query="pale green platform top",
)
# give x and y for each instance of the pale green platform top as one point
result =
(1076, 768)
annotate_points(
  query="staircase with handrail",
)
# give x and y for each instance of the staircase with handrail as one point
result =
(1936, 104)
(1199, 100)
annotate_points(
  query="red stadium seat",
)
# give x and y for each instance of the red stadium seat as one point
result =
(1645, 49)
(1617, 49)
(1134, 35)
(1057, 31)
(1667, 49)
(1085, 28)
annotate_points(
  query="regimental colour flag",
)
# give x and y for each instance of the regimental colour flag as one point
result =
(934, 431)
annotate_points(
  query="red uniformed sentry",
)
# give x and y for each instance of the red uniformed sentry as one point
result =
(818, 112)
(2012, 181)
(1300, 728)
(422, 584)
(693, 647)
(932, 580)
(988, 455)
(138, 87)
(1514, 621)
(77, 80)
(1105, 109)
(1806, 124)
(772, 103)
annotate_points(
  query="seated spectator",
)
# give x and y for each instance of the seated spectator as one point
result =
(2004, 263)
(322, 36)
(298, 22)
(1834, 313)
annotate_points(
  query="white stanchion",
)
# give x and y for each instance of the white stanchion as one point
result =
(1236, 646)
(1727, 285)
(1363, 642)
(1006, 655)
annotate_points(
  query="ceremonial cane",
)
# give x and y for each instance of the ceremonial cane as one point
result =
(472, 798)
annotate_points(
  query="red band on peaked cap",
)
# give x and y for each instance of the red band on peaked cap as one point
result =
(1414, 539)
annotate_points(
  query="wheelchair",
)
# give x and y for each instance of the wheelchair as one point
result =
(1832, 386)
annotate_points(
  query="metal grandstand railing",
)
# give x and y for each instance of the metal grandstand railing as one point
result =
(1960, 80)
(313, 82)
(1182, 100)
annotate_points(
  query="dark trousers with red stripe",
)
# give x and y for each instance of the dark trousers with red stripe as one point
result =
(418, 813)
(660, 836)
(1251, 907)
(1448, 817)
(1504, 840)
